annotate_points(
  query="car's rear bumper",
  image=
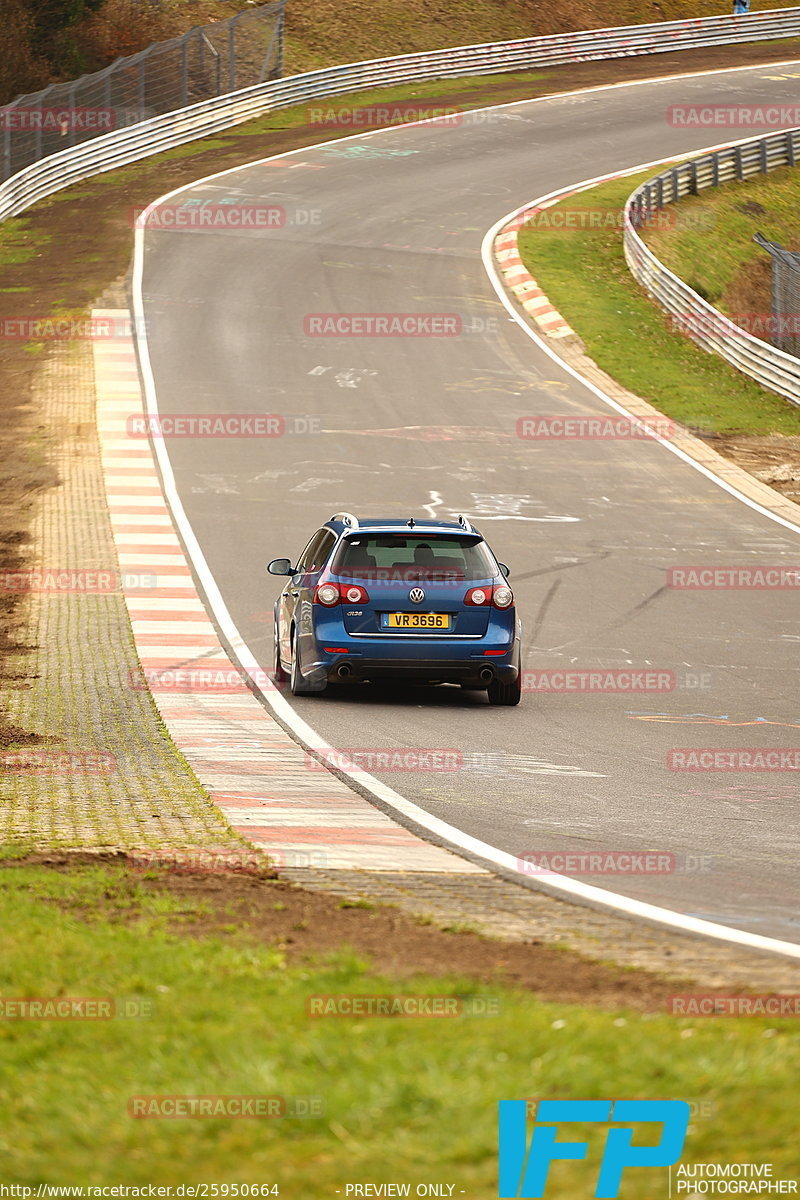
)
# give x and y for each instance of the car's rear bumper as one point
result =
(477, 672)
(339, 656)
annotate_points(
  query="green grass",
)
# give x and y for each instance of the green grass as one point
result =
(405, 1099)
(585, 276)
(712, 248)
(18, 244)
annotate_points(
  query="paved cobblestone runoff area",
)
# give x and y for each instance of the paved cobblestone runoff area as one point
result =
(96, 769)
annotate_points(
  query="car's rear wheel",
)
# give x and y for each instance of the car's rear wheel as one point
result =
(298, 686)
(503, 693)
(278, 673)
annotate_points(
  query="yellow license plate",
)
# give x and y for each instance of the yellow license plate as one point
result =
(418, 621)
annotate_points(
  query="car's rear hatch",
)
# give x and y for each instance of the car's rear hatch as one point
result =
(413, 585)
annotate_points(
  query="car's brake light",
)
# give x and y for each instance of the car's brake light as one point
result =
(331, 594)
(498, 595)
(353, 594)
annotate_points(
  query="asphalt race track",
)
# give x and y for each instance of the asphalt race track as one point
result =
(393, 223)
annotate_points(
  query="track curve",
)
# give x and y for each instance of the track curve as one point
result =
(588, 528)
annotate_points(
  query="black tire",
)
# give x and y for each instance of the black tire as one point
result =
(278, 673)
(505, 693)
(298, 686)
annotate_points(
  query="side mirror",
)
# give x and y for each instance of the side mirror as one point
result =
(506, 570)
(280, 566)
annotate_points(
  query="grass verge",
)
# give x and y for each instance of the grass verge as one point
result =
(712, 248)
(583, 272)
(404, 1099)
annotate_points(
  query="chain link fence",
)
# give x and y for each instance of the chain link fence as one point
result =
(785, 327)
(208, 61)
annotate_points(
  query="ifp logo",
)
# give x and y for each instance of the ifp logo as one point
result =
(524, 1169)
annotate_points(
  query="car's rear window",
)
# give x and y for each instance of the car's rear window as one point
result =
(407, 557)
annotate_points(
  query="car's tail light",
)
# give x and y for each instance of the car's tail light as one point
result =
(327, 594)
(497, 595)
(502, 596)
(331, 594)
(478, 596)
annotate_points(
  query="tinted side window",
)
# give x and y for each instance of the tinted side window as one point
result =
(305, 557)
(321, 550)
(316, 551)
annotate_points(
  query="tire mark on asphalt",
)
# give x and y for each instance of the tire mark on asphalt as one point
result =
(542, 613)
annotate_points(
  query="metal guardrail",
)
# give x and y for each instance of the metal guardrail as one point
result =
(110, 150)
(209, 60)
(691, 314)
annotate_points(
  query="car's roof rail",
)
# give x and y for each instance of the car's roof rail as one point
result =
(346, 518)
(464, 523)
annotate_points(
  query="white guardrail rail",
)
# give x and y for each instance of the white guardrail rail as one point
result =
(771, 367)
(138, 141)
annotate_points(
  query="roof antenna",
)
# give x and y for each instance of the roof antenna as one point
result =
(411, 523)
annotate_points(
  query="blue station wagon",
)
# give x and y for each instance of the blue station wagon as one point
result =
(422, 601)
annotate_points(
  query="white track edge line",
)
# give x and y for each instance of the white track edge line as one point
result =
(561, 885)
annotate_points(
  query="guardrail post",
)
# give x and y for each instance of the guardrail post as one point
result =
(693, 177)
(715, 169)
(737, 158)
(141, 86)
(790, 147)
(184, 72)
(37, 141)
(278, 71)
(762, 148)
(73, 97)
